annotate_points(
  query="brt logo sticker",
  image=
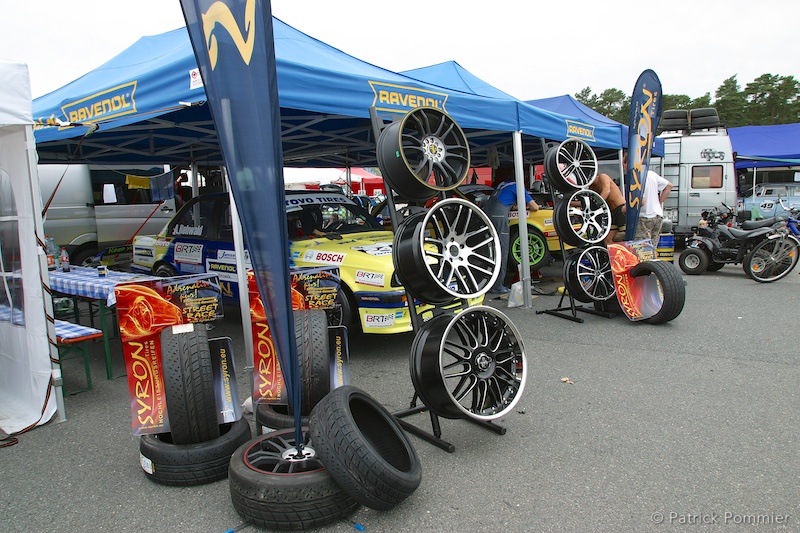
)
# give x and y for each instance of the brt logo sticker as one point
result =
(365, 277)
(378, 321)
(188, 253)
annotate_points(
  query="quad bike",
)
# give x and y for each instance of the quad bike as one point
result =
(718, 243)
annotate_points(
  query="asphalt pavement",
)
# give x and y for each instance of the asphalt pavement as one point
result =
(688, 426)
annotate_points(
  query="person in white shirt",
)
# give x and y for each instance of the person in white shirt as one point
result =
(651, 215)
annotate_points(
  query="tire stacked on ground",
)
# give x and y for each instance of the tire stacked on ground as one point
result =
(353, 452)
(311, 338)
(197, 449)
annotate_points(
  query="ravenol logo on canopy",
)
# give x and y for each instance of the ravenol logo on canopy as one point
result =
(401, 99)
(579, 130)
(111, 103)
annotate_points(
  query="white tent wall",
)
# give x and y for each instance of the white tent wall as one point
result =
(26, 398)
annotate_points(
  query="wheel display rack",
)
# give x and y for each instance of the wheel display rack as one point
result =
(437, 140)
(560, 177)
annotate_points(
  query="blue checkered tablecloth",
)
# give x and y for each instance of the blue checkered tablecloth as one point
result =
(6, 313)
(68, 330)
(83, 281)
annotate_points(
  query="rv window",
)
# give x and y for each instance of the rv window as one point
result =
(707, 177)
(131, 186)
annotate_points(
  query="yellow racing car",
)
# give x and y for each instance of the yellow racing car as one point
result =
(325, 229)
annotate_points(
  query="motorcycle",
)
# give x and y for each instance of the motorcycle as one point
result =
(777, 255)
(718, 243)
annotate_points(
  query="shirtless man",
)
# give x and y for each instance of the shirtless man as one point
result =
(611, 193)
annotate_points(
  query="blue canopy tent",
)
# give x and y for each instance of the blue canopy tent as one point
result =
(149, 104)
(609, 133)
(537, 121)
(766, 146)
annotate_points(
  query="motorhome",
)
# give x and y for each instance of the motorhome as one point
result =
(100, 208)
(699, 162)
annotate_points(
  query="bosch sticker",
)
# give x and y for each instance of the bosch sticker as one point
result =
(328, 258)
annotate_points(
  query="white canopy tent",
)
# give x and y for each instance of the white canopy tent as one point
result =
(26, 396)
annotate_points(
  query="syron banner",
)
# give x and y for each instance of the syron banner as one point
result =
(235, 50)
(646, 104)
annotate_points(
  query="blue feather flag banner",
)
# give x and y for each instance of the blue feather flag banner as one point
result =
(646, 107)
(235, 49)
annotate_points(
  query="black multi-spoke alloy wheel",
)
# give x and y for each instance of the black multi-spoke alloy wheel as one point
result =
(582, 218)
(277, 486)
(471, 365)
(670, 288)
(452, 251)
(771, 259)
(538, 253)
(693, 261)
(185, 465)
(423, 153)
(571, 165)
(570, 279)
(364, 448)
(594, 275)
(189, 385)
(589, 274)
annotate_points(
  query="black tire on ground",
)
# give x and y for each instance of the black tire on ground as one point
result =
(671, 285)
(364, 448)
(693, 261)
(184, 465)
(189, 385)
(311, 336)
(713, 266)
(275, 489)
(276, 416)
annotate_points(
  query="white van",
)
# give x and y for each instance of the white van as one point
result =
(699, 162)
(100, 208)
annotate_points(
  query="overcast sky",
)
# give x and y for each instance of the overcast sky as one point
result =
(527, 48)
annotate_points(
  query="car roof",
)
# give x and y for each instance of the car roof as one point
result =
(310, 197)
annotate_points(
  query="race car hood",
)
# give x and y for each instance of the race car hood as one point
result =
(370, 253)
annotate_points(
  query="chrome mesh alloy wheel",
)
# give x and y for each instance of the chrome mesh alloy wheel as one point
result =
(471, 365)
(452, 251)
(424, 153)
